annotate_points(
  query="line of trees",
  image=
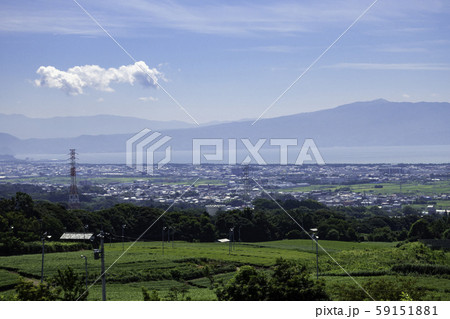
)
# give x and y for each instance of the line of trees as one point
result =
(23, 220)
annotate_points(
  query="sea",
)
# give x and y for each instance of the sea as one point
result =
(428, 154)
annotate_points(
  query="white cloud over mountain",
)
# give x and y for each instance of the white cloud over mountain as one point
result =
(76, 79)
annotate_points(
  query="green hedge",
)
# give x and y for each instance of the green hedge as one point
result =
(426, 269)
(35, 247)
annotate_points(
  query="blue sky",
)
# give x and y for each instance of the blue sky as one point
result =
(221, 60)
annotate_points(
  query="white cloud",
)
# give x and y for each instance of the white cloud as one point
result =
(76, 79)
(148, 98)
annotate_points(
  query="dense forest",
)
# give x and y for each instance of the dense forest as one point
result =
(23, 220)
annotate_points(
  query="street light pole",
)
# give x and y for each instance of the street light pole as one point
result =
(317, 258)
(123, 229)
(162, 239)
(173, 236)
(86, 269)
(231, 241)
(43, 253)
(315, 238)
(168, 234)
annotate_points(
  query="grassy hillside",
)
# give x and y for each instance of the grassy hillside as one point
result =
(183, 266)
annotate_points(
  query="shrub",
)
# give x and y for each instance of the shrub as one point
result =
(380, 289)
(28, 291)
(153, 296)
(69, 286)
(426, 269)
(290, 281)
(417, 252)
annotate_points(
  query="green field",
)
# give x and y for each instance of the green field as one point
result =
(183, 264)
(439, 187)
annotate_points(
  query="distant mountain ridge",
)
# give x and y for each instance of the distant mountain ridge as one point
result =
(374, 123)
(24, 127)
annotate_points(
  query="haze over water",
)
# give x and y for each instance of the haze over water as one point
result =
(434, 154)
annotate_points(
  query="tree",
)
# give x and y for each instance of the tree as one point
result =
(409, 210)
(264, 204)
(420, 230)
(438, 228)
(382, 234)
(295, 234)
(69, 286)
(446, 234)
(24, 203)
(247, 285)
(332, 234)
(289, 281)
(207, 229)
(351, 234)
(312, 204)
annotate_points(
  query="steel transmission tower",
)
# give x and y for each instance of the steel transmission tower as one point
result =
(74, 201)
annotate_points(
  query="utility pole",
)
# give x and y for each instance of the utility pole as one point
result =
(102, 252)
(43, 253)
(315, 238)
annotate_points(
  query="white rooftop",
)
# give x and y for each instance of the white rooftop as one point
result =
(76, 236)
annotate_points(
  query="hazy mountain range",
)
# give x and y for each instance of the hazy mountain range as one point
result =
(374, 123)
(72, 126)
